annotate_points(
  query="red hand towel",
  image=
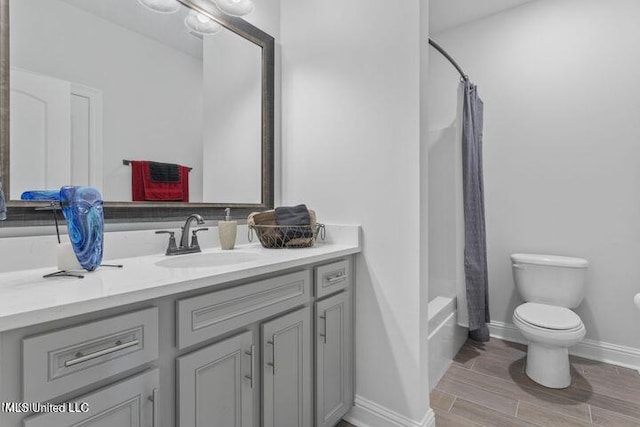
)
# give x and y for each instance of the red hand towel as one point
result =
(184, 173)
(143, 189)
(137, 180)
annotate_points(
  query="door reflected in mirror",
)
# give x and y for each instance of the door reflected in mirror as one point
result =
(97, 82)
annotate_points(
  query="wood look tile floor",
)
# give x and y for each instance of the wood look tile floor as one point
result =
(486, 386)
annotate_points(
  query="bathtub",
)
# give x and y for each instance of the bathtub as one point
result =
(445, 337)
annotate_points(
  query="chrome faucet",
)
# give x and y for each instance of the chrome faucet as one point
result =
(184, 239)
(185, 247)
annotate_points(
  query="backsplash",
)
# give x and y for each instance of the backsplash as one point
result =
(39, 251)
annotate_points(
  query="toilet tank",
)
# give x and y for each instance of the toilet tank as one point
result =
(550, 279)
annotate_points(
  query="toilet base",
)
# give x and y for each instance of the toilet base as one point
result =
(548, 365)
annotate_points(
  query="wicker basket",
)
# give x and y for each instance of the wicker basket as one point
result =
(286, 236)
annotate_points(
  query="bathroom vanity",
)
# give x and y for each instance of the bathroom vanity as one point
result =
(251, 337)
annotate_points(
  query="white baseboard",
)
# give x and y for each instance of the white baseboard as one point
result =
(506, 331)
(366, 413)
(628, 357)
(429, 419)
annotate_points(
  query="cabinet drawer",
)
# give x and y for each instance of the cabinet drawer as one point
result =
(207, 316)
(130, 403)
(62, 361)
(332, 278)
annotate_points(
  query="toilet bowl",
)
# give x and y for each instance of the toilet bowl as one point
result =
(550, 331)
(551, 286)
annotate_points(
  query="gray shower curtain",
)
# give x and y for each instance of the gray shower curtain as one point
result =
(3, 205)
(475, 244)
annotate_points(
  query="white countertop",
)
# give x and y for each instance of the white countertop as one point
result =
(26, 298)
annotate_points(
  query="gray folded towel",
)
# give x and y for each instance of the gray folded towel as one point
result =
(292, 216)
(3, 205)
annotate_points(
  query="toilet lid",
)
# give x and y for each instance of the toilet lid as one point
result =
(548, 316)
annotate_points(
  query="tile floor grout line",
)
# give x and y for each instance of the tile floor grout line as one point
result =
(560, 413)
(452, 402)
(618, 414)
(550, 392)
(524, 387)
(478, 402)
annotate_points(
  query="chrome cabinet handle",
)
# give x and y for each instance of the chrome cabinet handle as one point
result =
(337, 278)
(251, 353)
(273, 355)
(324, 320)
(80, 358)
(154, 412)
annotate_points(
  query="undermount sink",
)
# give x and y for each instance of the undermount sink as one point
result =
(206, 260)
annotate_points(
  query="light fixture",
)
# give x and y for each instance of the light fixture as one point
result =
(201, 24)
(235, 7)
(161, 6)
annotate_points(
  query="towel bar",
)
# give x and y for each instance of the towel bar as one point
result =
(128, 162)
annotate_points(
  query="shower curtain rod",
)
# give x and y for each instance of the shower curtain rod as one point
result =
(444, 53)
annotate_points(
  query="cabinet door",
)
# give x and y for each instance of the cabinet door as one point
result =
(215, 384)
(334, 378)
(286, 350)
(130, 403)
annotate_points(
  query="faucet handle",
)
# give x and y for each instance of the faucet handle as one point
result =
(173, 247)
(194, 237)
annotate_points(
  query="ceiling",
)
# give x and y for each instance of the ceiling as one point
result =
(167, 29)
(445, 14)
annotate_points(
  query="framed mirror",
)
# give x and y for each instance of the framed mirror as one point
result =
(94, 92)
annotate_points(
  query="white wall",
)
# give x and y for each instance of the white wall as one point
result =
(351, 150)
(559, 79)
(267, 17)
(140, 121)
(232, 85)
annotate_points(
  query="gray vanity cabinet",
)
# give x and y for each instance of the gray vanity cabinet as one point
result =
(215, 384)
(130, 403)
(286, 365)
(334, 385)
(271, 351)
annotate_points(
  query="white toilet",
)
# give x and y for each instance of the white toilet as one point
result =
(550, 286)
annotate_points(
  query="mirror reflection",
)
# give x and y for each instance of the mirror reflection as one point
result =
(97, 82)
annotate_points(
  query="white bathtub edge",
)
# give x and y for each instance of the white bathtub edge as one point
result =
(445, 338)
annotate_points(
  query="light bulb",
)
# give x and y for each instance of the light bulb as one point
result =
(201, 24)
(202, 18)
(235, 7)
(161, 6)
